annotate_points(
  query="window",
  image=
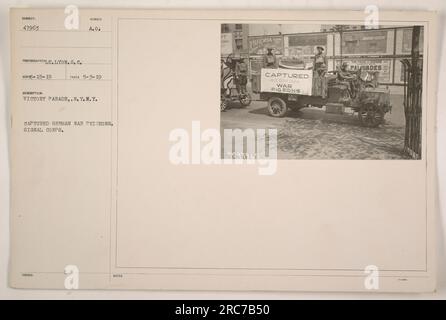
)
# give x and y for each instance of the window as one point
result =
(239, 44)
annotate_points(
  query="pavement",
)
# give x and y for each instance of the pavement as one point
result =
(310, 133)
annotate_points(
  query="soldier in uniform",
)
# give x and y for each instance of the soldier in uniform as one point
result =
(344, 76)
(269, 60)
(241, 75)
(319, 70)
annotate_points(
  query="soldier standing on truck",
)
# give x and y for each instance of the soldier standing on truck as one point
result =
(241, 75)
(269, 60)
(319, 71)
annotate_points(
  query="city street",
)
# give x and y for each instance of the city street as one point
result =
(310, 133)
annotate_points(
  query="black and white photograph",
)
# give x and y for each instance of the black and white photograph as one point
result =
(331, 91)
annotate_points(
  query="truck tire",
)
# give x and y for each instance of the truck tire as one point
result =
(371, 115)
(223, 104)
(277, 107)
(245, 100)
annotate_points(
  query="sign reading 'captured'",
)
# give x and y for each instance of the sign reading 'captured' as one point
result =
(287, 81)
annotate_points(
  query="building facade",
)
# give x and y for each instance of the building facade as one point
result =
(378, 50)
(234, 39)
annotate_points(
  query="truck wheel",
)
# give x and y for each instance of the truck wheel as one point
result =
(223, 104)
(245, 99)
(371, 115)
(277, 107)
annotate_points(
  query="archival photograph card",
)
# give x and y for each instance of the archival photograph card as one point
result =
(223, 150)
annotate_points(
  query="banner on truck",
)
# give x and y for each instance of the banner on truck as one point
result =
(287, 81)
